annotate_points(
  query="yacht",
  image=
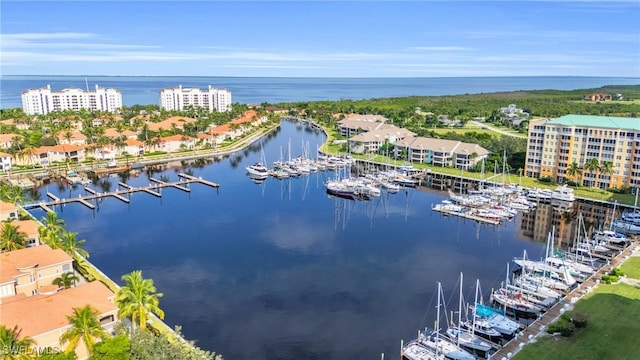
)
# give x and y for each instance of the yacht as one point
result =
(563, 193)
(258, 170)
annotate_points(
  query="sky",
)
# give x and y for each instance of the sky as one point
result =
(321, 38)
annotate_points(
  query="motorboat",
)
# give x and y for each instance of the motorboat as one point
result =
(563, 193)
(257, 170)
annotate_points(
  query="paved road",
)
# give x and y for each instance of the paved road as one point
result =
(488, 127)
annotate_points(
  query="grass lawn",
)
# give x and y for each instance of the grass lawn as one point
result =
(611, 332)
(631, 267)
(465, 130)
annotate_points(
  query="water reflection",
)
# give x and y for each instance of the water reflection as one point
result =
(337, 278)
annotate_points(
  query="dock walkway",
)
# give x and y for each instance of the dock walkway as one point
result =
(539, 326)
(152, 189)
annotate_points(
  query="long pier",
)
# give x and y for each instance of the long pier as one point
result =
(121, 193)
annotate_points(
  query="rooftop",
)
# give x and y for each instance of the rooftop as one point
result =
(609, 122)
(40, 256)
(42, 313)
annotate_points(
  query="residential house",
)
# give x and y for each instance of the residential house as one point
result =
(371, 141)
(72, 138)
(440, 152)
(39, 157)
(175, 121)
(133, 147)
(207, 139)
(597, 97)
(44, 317)
(6, 161)
(27, 270)
(62, 153)
(19, 124)
(8, 211)
(175, 143)
(30, 228)
(112, 133)
(7, 140)
(354, 124)
(223, 132)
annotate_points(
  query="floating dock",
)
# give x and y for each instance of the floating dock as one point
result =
(153, 189)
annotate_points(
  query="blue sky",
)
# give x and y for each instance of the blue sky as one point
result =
(321, 38)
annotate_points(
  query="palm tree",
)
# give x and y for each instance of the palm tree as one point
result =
(52, 230)
(65, 280)
(13, 348)
(591, 166)
(72, 246)
(85, 327)
(11, 238)
(606, 167)
(138, 298)
(574, 170)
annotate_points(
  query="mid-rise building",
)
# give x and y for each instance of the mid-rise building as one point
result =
(212, 99)
(44, 100)
(594, 151)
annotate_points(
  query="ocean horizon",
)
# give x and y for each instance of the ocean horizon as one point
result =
(143, 90)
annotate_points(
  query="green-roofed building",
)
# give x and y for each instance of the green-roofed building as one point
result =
(595, 151)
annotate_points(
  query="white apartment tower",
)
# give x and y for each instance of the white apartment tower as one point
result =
(212, 99)
(43, 101)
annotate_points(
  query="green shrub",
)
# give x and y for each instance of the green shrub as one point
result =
(609, 279)
(579, 320)
(563, 326)
(617, 272)
(545, 179)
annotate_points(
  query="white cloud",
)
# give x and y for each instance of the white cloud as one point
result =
(440, 48)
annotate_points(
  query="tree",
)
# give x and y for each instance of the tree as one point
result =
(592, 165)
(12, 347)
(85, 327)
(52, 230)
(65, 280)
(574, 170)
(72, 246)
(11, 238)
(137, 298)
(114, 348)
(606, 167)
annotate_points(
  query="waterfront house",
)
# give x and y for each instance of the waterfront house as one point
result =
(6, 161)
(133, 147)
(8, 211)
(43, 317)
(62, 153)
(175, 143)
(440, 152)
(223, 132)
(8, 140)
(27, 270)
(371, 141)
(206, 139)
(354, 124)
(29, 228)
(73, 138)
(39, 156)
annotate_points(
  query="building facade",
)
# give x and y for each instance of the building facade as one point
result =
(604, 151)
(44, 100)
(212, 99)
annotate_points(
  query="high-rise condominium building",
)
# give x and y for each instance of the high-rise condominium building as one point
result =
(211, 99)
(594, 151)
(44, 100)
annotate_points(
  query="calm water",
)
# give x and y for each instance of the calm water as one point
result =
(282, 271)
(255, 90)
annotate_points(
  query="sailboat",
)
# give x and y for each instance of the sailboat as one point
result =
(464, 338)
(482, 325)
(432, 339)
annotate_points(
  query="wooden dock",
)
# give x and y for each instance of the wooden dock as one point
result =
(539, 326)
(122, 193)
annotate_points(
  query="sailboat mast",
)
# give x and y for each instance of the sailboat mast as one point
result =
(459, 311)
